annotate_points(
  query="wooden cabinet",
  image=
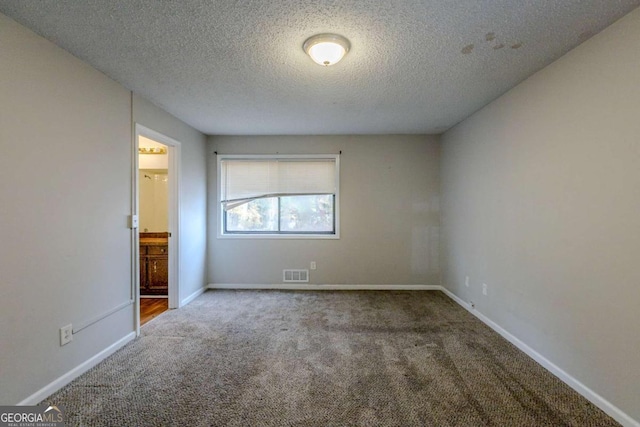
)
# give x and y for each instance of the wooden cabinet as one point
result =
(154, 263)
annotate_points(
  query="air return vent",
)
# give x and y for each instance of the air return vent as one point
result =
(296, 276)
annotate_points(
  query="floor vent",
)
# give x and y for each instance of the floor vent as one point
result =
(296, 276)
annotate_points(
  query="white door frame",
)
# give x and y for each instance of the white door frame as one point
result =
(174, 148)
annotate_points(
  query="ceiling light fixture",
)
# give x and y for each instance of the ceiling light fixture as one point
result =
(152, 150)
(326, 49)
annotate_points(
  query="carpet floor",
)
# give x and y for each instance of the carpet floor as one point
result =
(343, 358)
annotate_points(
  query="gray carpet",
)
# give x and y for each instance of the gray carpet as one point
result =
(277, 358)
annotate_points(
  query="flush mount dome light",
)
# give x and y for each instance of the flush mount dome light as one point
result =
(326, 49)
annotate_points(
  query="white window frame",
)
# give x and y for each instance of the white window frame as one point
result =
(235, 235)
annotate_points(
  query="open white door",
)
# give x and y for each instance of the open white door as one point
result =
(172, 218)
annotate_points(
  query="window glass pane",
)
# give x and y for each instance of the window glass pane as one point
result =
(306, 213)
(257, 215)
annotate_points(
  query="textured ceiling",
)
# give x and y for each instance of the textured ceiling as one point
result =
(237, 67)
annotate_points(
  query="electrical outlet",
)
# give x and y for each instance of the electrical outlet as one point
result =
(466, 281)
(66, 334)
(313, 265)
(472, 304)
(484, 289)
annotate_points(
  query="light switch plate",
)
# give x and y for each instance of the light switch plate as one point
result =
(66, 334)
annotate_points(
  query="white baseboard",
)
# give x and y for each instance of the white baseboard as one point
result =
(330, 287)
(65, 379)
(154, 296)
(193, 296)
(611, 410)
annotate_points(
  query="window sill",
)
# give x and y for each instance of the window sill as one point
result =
(280, 236)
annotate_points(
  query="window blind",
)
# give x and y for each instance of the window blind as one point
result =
(244, 180)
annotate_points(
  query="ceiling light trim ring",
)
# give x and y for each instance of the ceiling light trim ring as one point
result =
(329, 48)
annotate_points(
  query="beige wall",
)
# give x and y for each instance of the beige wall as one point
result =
(153, 200)
(65, 194)
(152, 161)
(541, 201)
(389, 214)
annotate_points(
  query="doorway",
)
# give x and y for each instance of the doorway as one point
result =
(156, 243)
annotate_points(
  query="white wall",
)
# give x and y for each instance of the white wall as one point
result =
(389, 214)
(541, 201)
(65, 193)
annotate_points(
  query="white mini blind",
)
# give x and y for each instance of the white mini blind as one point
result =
(243, 180)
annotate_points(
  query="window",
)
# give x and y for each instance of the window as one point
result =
(279, 196)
